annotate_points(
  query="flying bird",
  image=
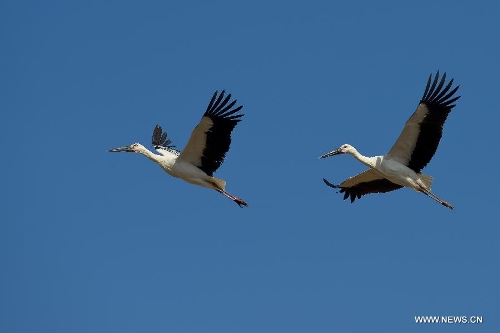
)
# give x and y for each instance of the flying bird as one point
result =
(205, 150)
(412, 151)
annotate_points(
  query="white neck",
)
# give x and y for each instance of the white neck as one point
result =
(166, 161)
(152, 156)
(368, 161)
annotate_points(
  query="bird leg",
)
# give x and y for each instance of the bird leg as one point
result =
(239, 201)
(433, 196)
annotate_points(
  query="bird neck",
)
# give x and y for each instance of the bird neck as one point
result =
(152, 156)
(368, 161)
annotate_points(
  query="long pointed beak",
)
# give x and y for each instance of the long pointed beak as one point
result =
(333, 152)
(116, 150)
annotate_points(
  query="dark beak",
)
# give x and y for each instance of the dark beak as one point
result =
(333, 152)
(116, 150)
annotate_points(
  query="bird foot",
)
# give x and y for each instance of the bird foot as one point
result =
(240, 202)
(444, 203)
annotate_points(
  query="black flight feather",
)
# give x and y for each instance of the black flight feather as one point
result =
(374, 186)
(439, 105)
(224, 120)
(160, 141)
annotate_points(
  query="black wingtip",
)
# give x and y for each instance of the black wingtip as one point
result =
(434, 91)
(159, 138)
(330, 184)
(222, 108)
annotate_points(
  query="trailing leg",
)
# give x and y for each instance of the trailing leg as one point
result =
(433, 196)
(239, 201)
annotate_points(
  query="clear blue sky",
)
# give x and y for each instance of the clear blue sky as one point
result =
(98, 242)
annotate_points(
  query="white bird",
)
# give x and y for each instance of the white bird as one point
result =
(205, 150)
(413, 149)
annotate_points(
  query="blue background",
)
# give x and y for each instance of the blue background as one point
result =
(99, 242)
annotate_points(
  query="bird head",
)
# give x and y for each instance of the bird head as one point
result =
(133, 148)
(344, 149)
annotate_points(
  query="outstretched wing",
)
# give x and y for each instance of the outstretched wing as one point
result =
(161, 143)
(366, 182)
(210, 140)
(420, 137)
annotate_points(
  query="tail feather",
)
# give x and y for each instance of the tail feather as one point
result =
(221, 184)
(426, 181)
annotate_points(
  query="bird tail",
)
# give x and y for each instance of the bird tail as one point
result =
(426, 181)
(221, 184)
